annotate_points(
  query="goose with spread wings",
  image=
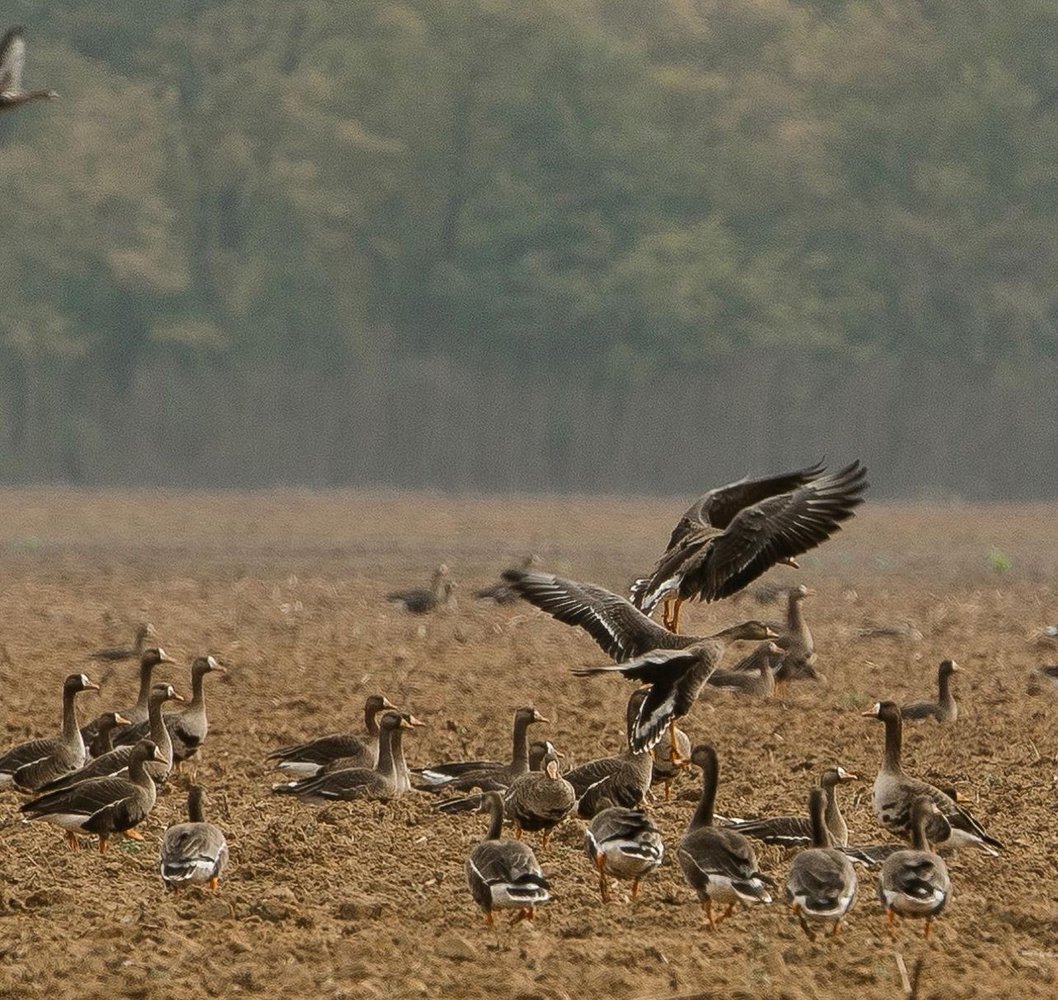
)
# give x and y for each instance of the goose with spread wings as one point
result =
(734, 534)
(12, 60)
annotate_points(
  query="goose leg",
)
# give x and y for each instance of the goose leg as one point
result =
(804, 923)
(929, 928)
(707, 905)
(635, 889)
(890, 922)
(675, 623)
(836, 929)
(71, 839)
(544, 839)
(727, 913)
(517, 832)
(600, 864)
(674, 753)
(668, 790)
(214, 883)
(102, 845)
(134, 835)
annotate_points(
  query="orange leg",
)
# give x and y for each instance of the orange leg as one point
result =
(71, 839)
(490, 919)
(929, 928)
(600, 864)
(836, 929)
(544, 839)
(214, 883)
(674, 753)
(526, 914)
(134, 835)
(102, 845)
(707, 905)
(804, 923)
(517, 832)
(668, 790)
(674, 625)
(727, 913)
(666, 613)
(635, 889)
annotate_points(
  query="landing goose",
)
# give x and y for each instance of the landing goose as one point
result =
(133, 652)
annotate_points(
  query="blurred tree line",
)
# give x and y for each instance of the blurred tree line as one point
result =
(589, 244)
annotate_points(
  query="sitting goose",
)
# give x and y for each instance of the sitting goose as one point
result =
(136, 714)
(420, 601)
(195, 852)
(795, 637)
(895, 792)
(718, 863)
(133, 652)
(504, 874)
(380, 782)
(539, 800)
(822, 883)
(944, 708)
(441, 773)
(491, 775)
(30, 765)
(103, 806)
(12, 59)
(731, 536)
(400, 765)
(623, 843)
(676, 677)
(116, 762)
(915, 883)
(754, 676)
(796, 831)
(304, 760)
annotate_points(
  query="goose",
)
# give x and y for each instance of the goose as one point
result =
(538, 750)
(665, 767)
(400, 765)
(754, 676)
(895, 792)
(303, 760)
(103, 806)
(821, 884)
(420, 600)
(796, 831)
(719, 864)
(133, 652)
(116, 762)
(1043, 679)
(380, 782)
(623, 843)
(676, 678)
(944, 708)
(195, 852)
(12, 60)
(105, 726)
(490, 775)
(915, 883)
(136, 714)
(732, 535)
(504, 874)
(502, 592)
(30, 765)
(539, 800)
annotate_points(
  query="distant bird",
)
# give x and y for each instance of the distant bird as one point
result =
(504, 874)
(1043, 679)
(718, 863)
(195, 852)
(895, 792)
(421, 600)
(754, 676)
(676, 677)
(502, 592)
(795, 638)
(915, 883)
(732, 535)
(12, 60)
(821, 884)
(944, 709)
(623, 843)
(133, 652)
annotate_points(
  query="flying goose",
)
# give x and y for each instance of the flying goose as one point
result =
(623, 843)
(504, 874)
(732, 535)
(676, 678)
(718, 863)
(30, 765)
(136, 714)
(12, 60)
(303, 760)
(915, 883)
(195, 852)
(103, 806)
(895, 793)
(944, 708)
(821, 884)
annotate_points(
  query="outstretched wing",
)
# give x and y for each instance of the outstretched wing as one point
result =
(12, 59)
(658, 666)
(620, 629)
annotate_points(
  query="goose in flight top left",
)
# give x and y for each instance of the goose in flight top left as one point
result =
(12, 59)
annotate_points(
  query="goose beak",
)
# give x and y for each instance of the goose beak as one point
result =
(159, 756)
(413, 722)
(121, 720)
(537, 717)
(793, 563)
(386, 703)
(849, 776)
(956, 669)
(91, 686)
(178, 697)
(869, 714)
(809, 592)
(164, 657)
(770, 633)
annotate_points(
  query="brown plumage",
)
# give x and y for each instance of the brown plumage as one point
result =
(150, 658)
(944, 709)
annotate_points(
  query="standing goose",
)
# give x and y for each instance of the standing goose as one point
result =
(538, 751)
(895, 793)
(103, 806)
(821, 884)
(623, 843)
(731, 536)
(105, 726)
(504, 874)
(915, 883)
(796, 831)
(188, 727)
(136, 714)
(795, 637)
(116, 762)
(195, 852)
(944, 708)
(754, 676)
(12, 61)
(30, 765)
(303, 760)
(718, 863)
(420, 600)
(133, 652)
(490, 775)
(676, 678)
(539, 800)
(381, 782)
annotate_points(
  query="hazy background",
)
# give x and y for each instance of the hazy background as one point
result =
(530, 245)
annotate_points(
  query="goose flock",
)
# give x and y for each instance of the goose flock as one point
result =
(102, 779)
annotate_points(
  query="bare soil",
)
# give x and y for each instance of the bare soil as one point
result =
(369, 900)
